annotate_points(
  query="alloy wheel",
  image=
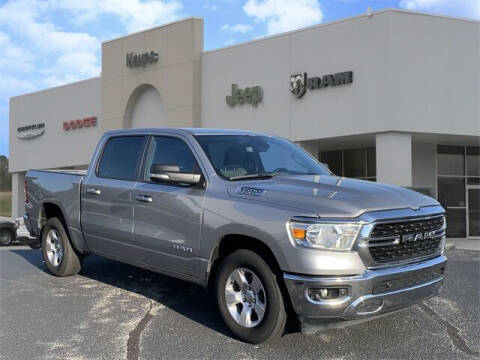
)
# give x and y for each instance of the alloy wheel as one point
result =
(245, 297)
(54, 247)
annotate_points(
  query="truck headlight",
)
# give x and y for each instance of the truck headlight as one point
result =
(331, 236)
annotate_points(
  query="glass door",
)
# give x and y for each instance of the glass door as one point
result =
(473, 204)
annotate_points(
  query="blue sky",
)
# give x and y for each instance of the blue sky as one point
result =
(45, 43)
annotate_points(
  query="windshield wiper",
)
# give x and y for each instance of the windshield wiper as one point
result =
(252, 176)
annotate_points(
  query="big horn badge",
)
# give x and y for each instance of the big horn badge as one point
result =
(298, 84)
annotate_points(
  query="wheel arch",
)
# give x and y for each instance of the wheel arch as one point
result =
(51, 208)
(231, 242)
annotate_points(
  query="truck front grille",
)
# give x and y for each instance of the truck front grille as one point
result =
(404, 240)
(406, 227)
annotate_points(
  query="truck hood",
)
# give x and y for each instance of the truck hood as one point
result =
(329, 196)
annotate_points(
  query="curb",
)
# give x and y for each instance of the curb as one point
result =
(449, 246)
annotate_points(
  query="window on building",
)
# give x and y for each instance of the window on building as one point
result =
(473, 161)
(121, 158)
(450, 160)
(458, 180)
(334, 161)
(451, 191)
(355, 163)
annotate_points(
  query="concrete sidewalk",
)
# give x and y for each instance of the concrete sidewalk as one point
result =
(463, 244)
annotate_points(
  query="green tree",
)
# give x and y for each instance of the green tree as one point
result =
(5, 176)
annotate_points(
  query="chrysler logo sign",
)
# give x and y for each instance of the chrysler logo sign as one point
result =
(30, 131)
(299, 83)
(141, 60)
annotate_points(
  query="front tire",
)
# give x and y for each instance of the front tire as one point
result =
(58, 253)
(249, 298)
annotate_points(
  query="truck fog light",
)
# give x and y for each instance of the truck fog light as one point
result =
(369, 306)
(319, 294)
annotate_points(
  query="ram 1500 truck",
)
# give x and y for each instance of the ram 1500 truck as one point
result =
(251, 216)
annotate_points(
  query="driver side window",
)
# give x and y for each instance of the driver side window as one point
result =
(171, 151)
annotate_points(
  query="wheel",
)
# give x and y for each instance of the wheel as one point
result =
(249, 298)
(59, 255)
(6, 237)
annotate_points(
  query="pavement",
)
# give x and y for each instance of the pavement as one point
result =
(117, 311)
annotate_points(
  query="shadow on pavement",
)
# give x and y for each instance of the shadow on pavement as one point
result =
(187, 299)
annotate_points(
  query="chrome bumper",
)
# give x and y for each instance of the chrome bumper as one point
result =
(28, 225)
(373, 293)
(32, 239)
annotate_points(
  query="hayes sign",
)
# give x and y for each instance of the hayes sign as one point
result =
(300, 82)
(250, 95)
(141, 60)
(80, 123)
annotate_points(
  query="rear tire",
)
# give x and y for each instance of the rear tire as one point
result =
(254, 310)
(58, 253)
(6, 237)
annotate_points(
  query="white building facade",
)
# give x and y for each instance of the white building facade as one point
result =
(393, 97)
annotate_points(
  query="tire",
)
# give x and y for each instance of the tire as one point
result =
(58, 253)
(6, 237)
(240, 267)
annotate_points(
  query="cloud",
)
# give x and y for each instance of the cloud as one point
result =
(462, 8)
(239, 28)
(284, 15)
(211, 7)
(135, 15)
(71, 66)
(50, 48)
(19, 85)
(14, 57)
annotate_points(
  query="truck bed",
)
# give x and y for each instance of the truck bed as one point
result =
(59, 187)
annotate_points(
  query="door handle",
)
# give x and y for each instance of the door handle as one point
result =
(144, 198)
(93, 191)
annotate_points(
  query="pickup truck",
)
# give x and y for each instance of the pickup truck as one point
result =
(250, 216)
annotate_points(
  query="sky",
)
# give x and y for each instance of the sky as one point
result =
(46, 43)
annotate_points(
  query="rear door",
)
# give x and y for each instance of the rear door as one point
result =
(107, 196)
(167, 216)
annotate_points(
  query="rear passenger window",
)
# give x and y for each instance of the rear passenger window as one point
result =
(121, 157)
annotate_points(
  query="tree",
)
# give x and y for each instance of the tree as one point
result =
(5, 177)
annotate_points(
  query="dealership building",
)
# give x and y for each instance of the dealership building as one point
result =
(392, 96)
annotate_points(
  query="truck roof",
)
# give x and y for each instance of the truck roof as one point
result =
(191, 131)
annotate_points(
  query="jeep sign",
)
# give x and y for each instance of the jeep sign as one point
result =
(250, 95)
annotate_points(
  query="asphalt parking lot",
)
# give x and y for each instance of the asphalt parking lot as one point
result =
(116, 311)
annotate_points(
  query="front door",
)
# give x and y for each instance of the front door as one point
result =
(473, 193)
(167, 217)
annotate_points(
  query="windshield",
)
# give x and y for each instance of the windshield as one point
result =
(251, 156)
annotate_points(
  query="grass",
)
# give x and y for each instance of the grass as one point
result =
(5, 204)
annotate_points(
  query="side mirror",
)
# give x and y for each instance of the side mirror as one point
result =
(172, 173)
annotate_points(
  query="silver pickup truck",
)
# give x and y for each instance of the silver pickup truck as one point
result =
(252, 217)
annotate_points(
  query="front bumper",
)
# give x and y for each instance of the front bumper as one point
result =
(373, 293)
